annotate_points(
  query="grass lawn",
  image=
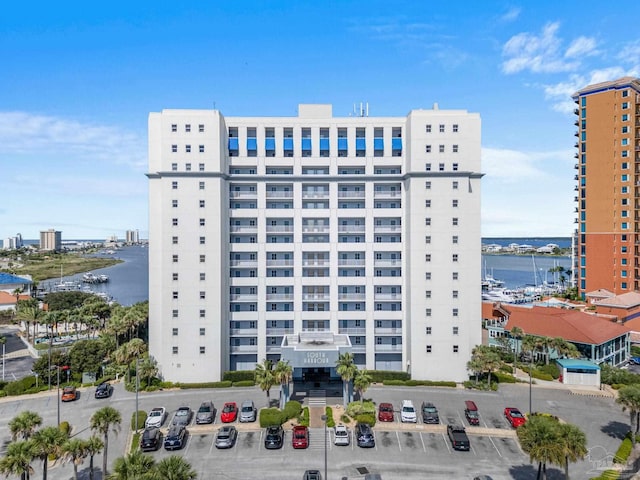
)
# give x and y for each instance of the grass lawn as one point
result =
(45, 267)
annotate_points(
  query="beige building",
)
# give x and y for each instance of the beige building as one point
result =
(51, 240)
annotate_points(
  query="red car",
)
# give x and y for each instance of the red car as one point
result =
(69, 394)
(229, 412)
(300, 437)
(514, 417)
(385, 412)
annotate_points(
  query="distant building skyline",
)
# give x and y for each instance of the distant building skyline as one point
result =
(51, 240)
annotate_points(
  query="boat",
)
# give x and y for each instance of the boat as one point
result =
(93, 278)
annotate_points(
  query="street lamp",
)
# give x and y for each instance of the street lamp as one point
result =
(3, 340)
(324, 419)
(530, 369)
(137, 389)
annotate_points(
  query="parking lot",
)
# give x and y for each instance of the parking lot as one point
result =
(402, 451)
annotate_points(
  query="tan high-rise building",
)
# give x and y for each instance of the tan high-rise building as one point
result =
(51, 240)
(608, 189)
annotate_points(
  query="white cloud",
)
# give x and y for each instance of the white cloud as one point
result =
(512, 14)
(512, 166)
(543, 53)
(23, 133)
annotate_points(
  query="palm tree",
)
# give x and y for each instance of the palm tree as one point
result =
(17, 459)
(135, 466)
(174, 468)
(485, 359)
(361, 382)
(94, 446)
(24, 424)
(102, 421)
(75, 451)
(148, 368)
(516, 333)
(629, 398)
(574, 444)
(283, 374)
(347, 369)
(29, 313)
(265, 377)
(48, 441)
(538, 437)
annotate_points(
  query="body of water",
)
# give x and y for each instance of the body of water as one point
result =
(523, 270)
(128, 281)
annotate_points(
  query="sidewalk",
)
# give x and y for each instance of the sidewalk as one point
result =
(603, 391)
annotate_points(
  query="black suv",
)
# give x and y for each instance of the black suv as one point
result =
(430, 413)
(150, 439)
(104, 390)
(364, 436)
(274, 437)
(175, 438)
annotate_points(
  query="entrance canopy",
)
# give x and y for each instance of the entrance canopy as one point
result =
(314, 349)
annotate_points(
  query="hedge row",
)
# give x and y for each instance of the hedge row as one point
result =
(275, 416)
(380, 376)
(223, 384)
(328, 411)
(503, 377)
(239, 376)
(608, 475)
(421, 383)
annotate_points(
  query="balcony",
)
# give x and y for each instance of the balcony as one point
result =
(388, 331)
(387, 262)
(351, 262)
(244, 349)
(352, 296)
(273, 348)
(279, 228)
(279, 194)
(280, 296)
(244, 263)
(243, 194)
(243, 331)
(351, 194)
(351, 228)
(280, 263)
(244, 229)
(387, 194)
(384, 347)
(576, 111)
(243, 297)
(315, 229)
(387, 228)
(352, 330)
(388, 296)
(279, 331)
(315, 194)
(315, 263)
(316, 296)
(358, 348)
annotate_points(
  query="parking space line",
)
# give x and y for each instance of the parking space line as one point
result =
(260, 441)
(446, 442)
(472, 449)
(186, 450)
(399, 443)
(460, 417)
(213, 442)
(495, 446)
(424, 448)
(375, 441)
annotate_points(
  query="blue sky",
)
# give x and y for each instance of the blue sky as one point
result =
(78, 80)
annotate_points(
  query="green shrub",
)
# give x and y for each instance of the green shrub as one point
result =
(506, 368)
(394, 382)
(271, 416)
(542, 375)
(244, 383)
(223, 384)
(303, 419)
(624, 450)
(345, 418)
(328, 411)
(291, 409)
(503, 377)
(20, 386)
(166, 385)
(135, 442)
(65, 428)
(608, 475)
(356, 408)
(551, 369)
(142, 417)
(612, 375)
(368, 418)
(381, 376)
(240, 376)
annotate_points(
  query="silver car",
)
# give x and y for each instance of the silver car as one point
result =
(341, 434)
(206, 413)
(248, 411)
(226, 437)
(156, 417)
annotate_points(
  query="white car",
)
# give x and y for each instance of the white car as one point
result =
(342, 437)
(408, 412)
(156, 417)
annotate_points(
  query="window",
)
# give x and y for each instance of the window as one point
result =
(427, 257)
(201, 185)
(174, 258)
(455, 330)
(202, 240)
(201, 203)
(454, 293)
(427, 203)
(428, 330)
(202, 258)
(202, 295)
(202, 276)
(201, 148)
(625, 117)
(625, 105)
(174, 332)
(454, 312)
(174, 222)
(454, 185)
(455, 128)
(427, 239)
(427, 294)
(454, 239)
(187, 148)
(454, 203)
(201, 167)
(625, 129)
(427, 312)
(174, 127)
(441, 148)
(427, 185)
(202, 222)
(454, 221)
(625, 154)
(201, 128)
(187, 127)
(455, 349)
(441, 128)
(427, 221)
(174, 167)
(427, 167)
(174, 350)
(624, 142)
(427, 275)
(174, 203)
(428, 148)
(625, 93)
(174, 148)
(174, 295)
(202, 315)
(625, 166)
(187, 167)
(174, 313)
(202, 350)
(441, 167)
(428, 348)
(428, 129)
(174, 185)
(454, 276)
(455, 149)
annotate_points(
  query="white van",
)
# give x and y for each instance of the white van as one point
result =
(408, 412)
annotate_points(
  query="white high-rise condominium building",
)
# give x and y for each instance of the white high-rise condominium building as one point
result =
(311, 234)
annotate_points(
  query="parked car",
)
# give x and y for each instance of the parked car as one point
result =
(300, 437)
(430, 413)
(408, 412)
(104, 390)
(226, 437)
(471, 412)
(364, 436)
(458, 437)
(482, 477)
(248, 411)
(229, 412)
(274, 437)
(156, 417)
(312, 475)
(385, 412)
(514, 417)
(151, 439)
(176, 437)
(341, 434)
(182, 416)
(206, 413)
(69, 394)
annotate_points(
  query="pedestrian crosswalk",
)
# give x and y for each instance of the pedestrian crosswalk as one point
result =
(317, 398)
